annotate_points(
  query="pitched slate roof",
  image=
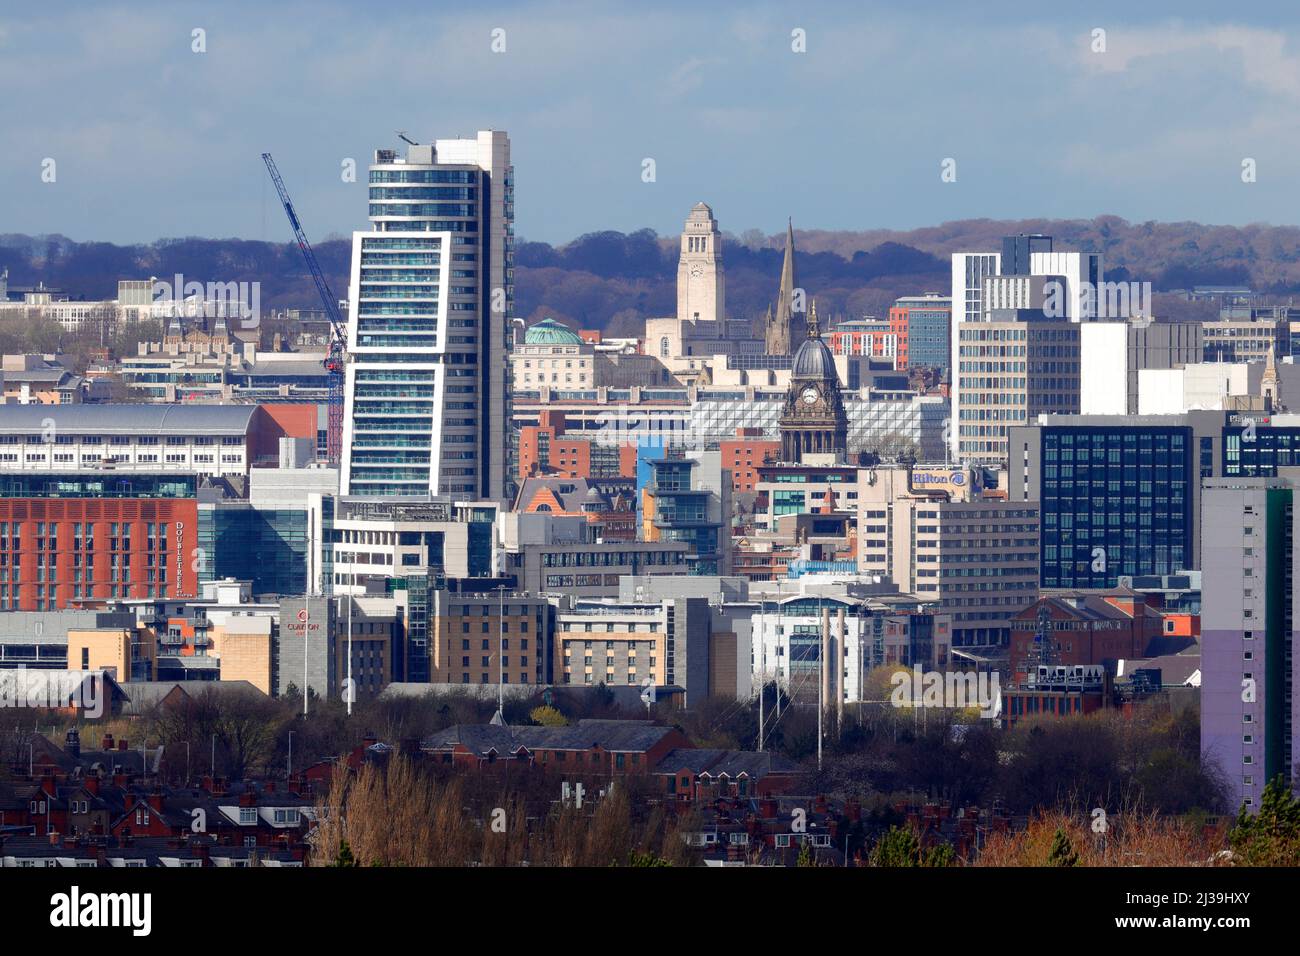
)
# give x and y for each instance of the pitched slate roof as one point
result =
(732, 763)
(620, 736)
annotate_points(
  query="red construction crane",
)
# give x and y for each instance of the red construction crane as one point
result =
(338, 334)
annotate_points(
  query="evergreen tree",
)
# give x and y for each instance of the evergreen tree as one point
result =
(1270, 837)
(1062, 852)
(344, 857)
(898, 847)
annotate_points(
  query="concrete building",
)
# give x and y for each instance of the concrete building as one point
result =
(860, 622)
(500, 637)
(1008, 372)
(1249, 664)
(305, 653)
(930, 532)
(431, 291)
(1115, 358)
(660, 643)
(1082, 274)
(1247, 335)
(1234, 386)
(373, 541)
(208, 440)
(562, 554)
(1030, 262)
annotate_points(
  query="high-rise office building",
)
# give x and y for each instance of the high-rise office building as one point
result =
(1010, 371)
(427, 389)
(1018, 250)
(1064, 288)
(1121, 496)
(969, 270)
(931, 532)
(1082, 272)
(1248, 659)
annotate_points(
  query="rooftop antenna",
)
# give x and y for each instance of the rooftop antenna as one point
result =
(401, 134)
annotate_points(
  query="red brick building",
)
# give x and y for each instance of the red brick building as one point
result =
(60, 552)
(744, 455)
(544, 449)
(898, 327)
(589, 748)
(1083, 628)
(282, 420)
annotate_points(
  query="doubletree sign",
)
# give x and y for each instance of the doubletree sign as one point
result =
(180, 552)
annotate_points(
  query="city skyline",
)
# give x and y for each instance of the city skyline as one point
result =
(435, 538)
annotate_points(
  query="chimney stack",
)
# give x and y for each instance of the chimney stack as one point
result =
(839, 669)
(72, 743)
(826, 658)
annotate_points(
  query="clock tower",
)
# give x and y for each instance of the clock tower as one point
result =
(700, 286)
(813, 421)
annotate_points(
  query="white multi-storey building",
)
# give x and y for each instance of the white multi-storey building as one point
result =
(431, 289)
(1026, 275)
(206, 440)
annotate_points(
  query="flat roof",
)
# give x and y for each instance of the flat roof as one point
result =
(128, 419)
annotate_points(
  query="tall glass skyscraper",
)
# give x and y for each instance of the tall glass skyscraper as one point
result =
(431, 289)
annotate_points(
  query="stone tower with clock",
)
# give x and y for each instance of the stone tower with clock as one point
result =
(813, 421)
(700, 285)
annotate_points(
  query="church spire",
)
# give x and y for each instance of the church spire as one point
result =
(780, 330)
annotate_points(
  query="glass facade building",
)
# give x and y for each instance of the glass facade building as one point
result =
(267, 546)
(427, 401)
(1115, 501)
(679, 512)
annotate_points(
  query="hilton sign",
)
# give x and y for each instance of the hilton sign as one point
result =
(955, 481)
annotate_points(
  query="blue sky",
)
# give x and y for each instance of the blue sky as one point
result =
(153, 140)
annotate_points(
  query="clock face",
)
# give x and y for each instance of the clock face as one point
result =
(697, 271)
(809, 396)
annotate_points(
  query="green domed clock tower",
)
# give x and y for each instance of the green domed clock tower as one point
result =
(813, 421)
